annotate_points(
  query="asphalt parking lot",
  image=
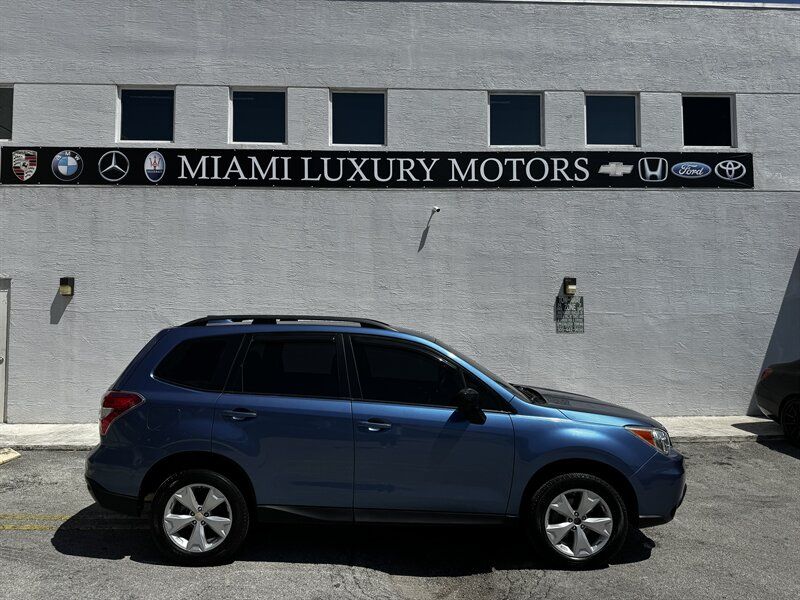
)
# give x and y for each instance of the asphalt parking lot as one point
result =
(736, 536)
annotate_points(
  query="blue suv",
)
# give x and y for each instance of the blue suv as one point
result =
(228, 420)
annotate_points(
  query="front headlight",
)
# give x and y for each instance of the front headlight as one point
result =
(657, 438)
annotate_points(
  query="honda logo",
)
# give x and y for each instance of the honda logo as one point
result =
(653, 169)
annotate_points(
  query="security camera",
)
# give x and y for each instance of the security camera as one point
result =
(436, 209)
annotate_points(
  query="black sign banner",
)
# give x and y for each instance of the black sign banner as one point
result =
(36, 165)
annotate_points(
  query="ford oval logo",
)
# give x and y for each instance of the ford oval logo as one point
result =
(691, 170)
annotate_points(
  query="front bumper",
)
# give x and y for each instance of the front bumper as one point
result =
(660, 487)
(120, 503)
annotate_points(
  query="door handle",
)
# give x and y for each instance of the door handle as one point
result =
(375, 425)
(239, 414)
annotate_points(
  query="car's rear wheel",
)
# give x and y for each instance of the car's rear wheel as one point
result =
(790, 420)
(199, 517)
(577, 519)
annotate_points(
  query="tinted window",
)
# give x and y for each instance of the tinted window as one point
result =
(200, 363)
(259, 116)
(147, 115)
(403, 375)
(291, 367)
(707, 121)
(514, 120)
(6, 112)
(488, 398)
(611, 120)
(358, 118)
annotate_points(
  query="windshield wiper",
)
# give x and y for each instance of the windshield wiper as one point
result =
(530, 393)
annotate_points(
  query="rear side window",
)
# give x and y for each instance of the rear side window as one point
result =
(396, 373)
(199, 363)
(291, 367)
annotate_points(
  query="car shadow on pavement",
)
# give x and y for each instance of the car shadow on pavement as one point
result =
(426, 551)
(781, 446)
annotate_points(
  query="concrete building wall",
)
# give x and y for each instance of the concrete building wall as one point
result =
(683, 289)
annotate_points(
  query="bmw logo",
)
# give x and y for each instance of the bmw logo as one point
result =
(154, 166)
(67, 165)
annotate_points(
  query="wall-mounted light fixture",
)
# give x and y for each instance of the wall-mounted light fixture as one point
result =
(570, 286)
(66, 286)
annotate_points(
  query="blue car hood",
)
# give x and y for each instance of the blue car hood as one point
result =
(590, 410)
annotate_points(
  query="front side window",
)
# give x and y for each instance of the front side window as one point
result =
(611, 120)
(147, 115)
(291, 367)
(515, 120)
(259, 116)
(400, 374)
(707, 121)
(358, 118)
(199, 363)
(6, 112)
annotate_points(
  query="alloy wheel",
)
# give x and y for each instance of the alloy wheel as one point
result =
(197, 518)
(578, 523)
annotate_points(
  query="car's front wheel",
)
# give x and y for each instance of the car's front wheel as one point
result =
(790, 420)
(577, 519)
(199, 517)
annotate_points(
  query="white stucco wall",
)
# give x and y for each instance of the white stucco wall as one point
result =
(683, 289)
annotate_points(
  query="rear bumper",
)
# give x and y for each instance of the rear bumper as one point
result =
(120, 503)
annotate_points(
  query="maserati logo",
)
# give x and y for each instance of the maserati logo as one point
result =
(730, 170)
(653, 169)
(154, 166)
(615, 169)
(113, 166)
(23, 164)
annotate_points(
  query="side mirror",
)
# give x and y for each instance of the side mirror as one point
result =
(468, 402)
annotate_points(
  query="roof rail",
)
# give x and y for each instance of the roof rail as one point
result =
(274, 319)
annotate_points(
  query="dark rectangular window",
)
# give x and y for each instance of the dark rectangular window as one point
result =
(358, 118)
(707, 121)
(199, 363)
(147, 115)
(6, 112)
(515, 119)
(259, 116)
(391, 372)
(611, 120)
(291, 367)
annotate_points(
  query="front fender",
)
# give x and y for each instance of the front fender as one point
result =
(543, 440)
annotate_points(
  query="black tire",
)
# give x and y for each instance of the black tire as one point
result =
(239, 518)
(537, 511)
(790, 420)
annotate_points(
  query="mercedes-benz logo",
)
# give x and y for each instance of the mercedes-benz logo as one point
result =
(730, 170)
(113, 166)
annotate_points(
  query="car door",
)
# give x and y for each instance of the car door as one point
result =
(285, 417)
(413, 449)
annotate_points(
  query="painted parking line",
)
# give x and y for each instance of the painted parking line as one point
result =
(33, 517)
(17, 522)
(26, 527)
(8, 454)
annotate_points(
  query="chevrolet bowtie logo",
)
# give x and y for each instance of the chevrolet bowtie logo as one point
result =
(615, 169)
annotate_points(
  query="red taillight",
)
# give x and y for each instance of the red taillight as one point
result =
(765, 373)
(114, 405)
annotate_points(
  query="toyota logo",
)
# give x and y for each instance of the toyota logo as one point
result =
(730, 170)
(113, 166)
